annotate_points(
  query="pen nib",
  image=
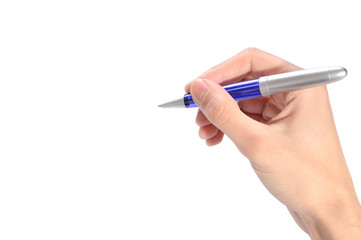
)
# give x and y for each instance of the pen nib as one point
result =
(179, 103)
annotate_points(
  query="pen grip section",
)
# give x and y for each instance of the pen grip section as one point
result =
(238, 91)
(244, 90)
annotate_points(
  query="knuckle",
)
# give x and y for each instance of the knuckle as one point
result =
(251, 51)
(217, 112)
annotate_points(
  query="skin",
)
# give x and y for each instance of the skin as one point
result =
(290, 140)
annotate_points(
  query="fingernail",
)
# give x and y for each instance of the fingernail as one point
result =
(188, 86)
(198, 89)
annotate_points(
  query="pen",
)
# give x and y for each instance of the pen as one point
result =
(271, 85)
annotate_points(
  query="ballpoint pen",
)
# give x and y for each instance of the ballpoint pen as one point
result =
(271, 85)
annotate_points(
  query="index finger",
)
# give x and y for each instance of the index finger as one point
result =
(249, 64)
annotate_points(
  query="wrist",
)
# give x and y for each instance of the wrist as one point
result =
(335, 219)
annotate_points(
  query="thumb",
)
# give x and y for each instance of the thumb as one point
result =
(223, 112)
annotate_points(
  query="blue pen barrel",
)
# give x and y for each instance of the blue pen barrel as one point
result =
(244, 90)
(188, 101)
(239, 91)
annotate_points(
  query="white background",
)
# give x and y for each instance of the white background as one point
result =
(85, 153)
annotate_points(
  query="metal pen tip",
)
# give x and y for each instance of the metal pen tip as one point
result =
(179, 103)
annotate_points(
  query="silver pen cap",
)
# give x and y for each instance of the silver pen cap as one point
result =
(291, 81)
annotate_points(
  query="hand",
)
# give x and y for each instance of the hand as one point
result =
(290, 140)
